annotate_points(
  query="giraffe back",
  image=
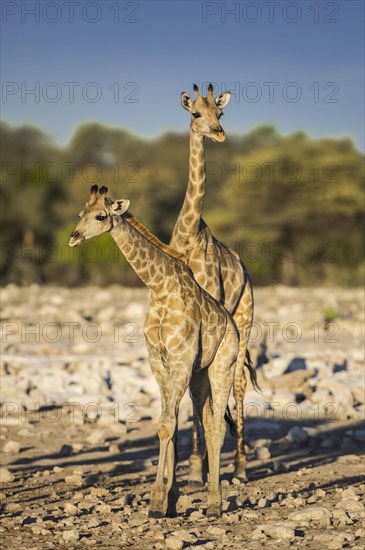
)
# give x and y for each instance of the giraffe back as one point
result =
(217, 269)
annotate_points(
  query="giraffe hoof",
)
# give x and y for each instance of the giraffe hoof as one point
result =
(240, 473)
(214, 512)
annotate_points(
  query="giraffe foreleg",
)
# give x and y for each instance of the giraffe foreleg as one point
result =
(166, 463)
(165, 493)
(158, 506)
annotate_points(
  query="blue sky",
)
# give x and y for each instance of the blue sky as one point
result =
(305, 50)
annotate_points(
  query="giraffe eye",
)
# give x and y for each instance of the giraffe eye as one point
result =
(100, 218)
(196, 115)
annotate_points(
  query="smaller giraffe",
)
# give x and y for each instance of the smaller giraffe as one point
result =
(191, 339)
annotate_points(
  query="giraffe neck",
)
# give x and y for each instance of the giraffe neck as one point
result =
(188, 223)
(146, 254)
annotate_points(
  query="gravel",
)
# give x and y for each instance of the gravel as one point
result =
(78, 430)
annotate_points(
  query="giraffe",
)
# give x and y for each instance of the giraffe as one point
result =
(216, 268)
(192, 341)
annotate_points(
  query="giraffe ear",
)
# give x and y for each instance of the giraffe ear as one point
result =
(119, 207)
(80, 214)
(186, 101)
(222, 100)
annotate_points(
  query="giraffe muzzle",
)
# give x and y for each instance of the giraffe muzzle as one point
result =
(219, 134)
(75, 239)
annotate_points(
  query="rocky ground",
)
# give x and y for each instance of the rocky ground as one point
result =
(78, 426)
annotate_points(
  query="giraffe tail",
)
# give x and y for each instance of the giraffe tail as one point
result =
(252, 371)
(231, 422)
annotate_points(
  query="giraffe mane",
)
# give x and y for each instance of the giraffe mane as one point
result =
(152, 238)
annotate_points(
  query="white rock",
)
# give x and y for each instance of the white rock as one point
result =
(216, 531)
(11, 447)
(134, 311)
(277, 530)
(70, 535)
(6, 476)
(74, 479)
(262, 453)
(56, 299)
(357, 355)
(321, 396)
(103, 508)
(318, 513)
(48, 311)
(298, 435)
(70, 509)
(184, 535)
(93, 523)
(261, 443)
(263, 503)
(277, 366)
(11, 420)
(174, 543)
(285, 397)
(27, 432)
(96, 436)
(349, 493)
(255, 405)
(350, 505)
(103, 295)
(358, 393)
(328, 539)
(150, 386)
(341, 517)
(322, 367)
(340, 393)
(155, 533)
(184, 503)
(107, 314)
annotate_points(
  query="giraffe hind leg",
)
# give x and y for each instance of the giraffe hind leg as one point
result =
(196, 458)
(239, 389)
(243, 319)
(220, 373)
(200, 392)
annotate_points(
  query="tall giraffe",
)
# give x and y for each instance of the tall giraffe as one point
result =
(192, 341)
(216, 268)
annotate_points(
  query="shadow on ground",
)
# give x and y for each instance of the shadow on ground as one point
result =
(138, 456)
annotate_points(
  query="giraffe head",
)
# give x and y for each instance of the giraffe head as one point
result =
(97, 216)
(206, 112)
